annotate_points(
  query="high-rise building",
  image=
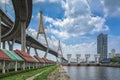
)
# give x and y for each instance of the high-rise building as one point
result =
(102, 45)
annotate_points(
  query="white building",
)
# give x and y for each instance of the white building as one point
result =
(113, 54)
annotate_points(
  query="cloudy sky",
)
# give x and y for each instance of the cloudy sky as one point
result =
(76, 23)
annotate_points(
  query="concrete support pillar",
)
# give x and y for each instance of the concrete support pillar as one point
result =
(97, 56)
(23, 65)
(69, 57)
(28, 49)
(11, 43)
(78, 58)
(3, 66)
(0, 31)
(36, 51)
(23, 36)
(87, 58)
(15, 66)
(46, 53)
(4, 47)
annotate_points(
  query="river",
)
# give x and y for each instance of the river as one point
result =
(92, 73)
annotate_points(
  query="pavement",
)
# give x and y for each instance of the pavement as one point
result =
(58, 74)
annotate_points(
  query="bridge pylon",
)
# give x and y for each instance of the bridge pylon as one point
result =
(59, 50)
(42, 31)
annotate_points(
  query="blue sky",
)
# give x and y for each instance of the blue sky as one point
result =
(77, 23)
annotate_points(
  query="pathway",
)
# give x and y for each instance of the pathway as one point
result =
(33, 77)
(56, 75)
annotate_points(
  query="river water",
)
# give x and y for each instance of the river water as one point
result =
(93, 73)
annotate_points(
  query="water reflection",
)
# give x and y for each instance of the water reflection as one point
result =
(93, 73)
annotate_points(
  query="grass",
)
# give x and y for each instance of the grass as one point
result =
(25, 75)
(45, 74)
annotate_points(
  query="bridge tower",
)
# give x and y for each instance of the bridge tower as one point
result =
(42, 31)
(0, 30)
(59, 50)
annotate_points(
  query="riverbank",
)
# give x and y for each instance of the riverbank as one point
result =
(58, 73)
(28, 74)
(105, 65)
(110, 65)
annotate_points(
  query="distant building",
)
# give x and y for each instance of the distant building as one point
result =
(113, 54)
(102, 45)
(117, 55)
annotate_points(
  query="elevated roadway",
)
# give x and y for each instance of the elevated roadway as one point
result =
(12, 30)
(23, 12)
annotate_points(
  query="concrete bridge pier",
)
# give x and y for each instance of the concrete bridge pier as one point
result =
(0, 31)
(36, 51)
(87, 56)
(78, 58)
(3, 43)
(28, 49)
(69, 57)
(97, 56)
(11, 43)
(23, 35)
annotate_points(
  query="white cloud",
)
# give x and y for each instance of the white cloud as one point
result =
(78, 20)
(61, 34)
(4, 1)
(37, 1)
(74, 8)
(83, 48)
(54, 1)
(111, 7)
(50, 1)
